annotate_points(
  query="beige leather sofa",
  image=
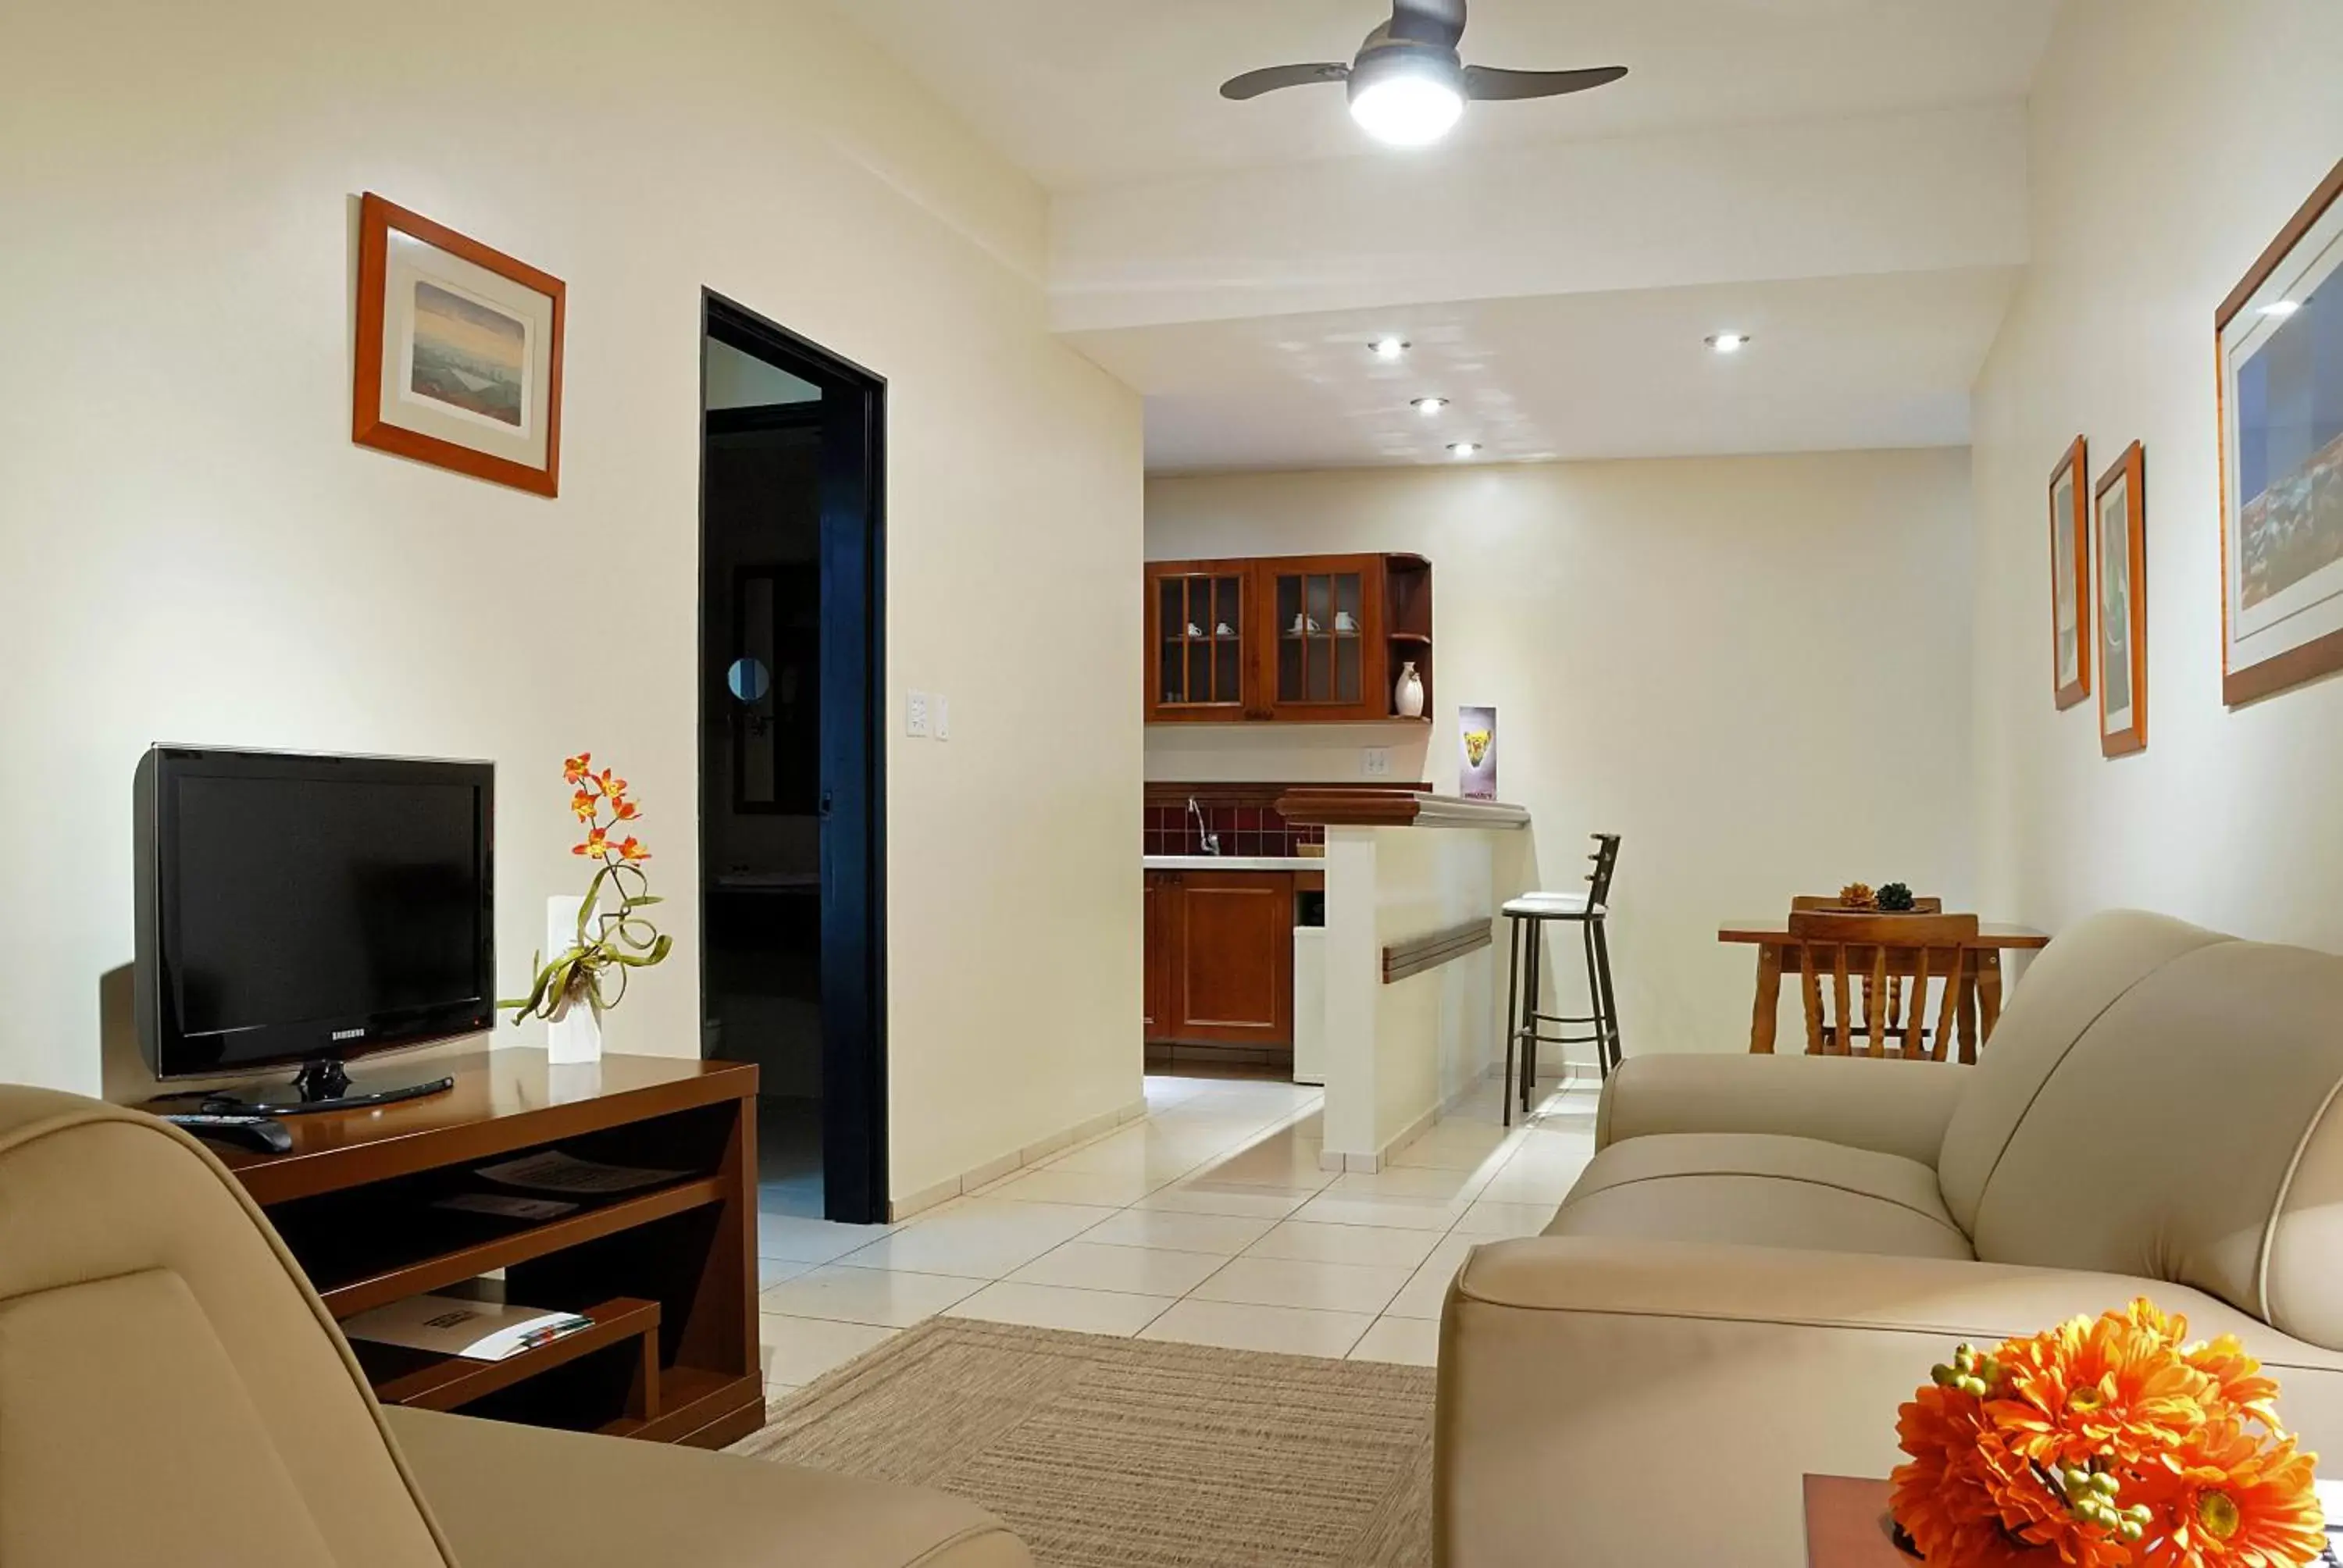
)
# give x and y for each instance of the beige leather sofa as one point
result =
(172, 1392)
(1767, 1253)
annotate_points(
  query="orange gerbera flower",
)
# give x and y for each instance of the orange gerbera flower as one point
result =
(573, 768)
(2238, 1377)
(631, 849)
(2226, 1501)
(597, 842)
(1967, 1499)
(2110, 1388)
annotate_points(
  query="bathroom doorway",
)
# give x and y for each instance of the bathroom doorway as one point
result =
(792, 796)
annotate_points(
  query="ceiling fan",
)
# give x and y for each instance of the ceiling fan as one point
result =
(1408, 87)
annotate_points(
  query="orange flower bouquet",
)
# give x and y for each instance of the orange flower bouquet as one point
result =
(609, 942)
(2103, 1443)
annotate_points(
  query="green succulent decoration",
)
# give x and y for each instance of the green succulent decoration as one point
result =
(1896, 897)
(609, 943)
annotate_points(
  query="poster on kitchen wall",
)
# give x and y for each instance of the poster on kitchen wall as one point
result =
(1476, 770)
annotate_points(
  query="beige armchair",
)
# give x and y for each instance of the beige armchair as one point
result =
(172, 1391)
(1767, 1253)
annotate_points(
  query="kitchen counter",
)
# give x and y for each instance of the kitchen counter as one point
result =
(1234, 862)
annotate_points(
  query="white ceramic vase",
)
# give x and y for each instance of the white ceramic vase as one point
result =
(1407, 698)
(573, 1034)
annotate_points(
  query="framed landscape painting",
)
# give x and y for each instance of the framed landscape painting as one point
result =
(2279, 339)
(2070, 577)
(2120, 520)
(458, 352)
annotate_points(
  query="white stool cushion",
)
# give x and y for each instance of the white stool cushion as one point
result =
(1551, 904)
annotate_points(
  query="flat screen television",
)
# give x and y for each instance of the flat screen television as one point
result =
(306, 910)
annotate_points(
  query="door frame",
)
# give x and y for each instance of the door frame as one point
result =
(853, 814)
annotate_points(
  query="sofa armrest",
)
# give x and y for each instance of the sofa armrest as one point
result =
(1887, 1104)
(1679, 1390)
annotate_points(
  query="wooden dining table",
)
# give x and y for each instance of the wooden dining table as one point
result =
(1778, 954)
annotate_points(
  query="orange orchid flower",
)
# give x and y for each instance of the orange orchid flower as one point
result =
(630, 849)
(597, 842)
(573, 768)
(582, 805)
(625, 811)
(612, 787)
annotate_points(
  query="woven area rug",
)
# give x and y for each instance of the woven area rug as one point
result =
(1128, 1454)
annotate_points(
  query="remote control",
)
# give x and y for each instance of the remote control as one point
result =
(265, 1133)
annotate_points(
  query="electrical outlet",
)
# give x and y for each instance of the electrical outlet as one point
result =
(940, 710)
(1374, 763)
(915, 714)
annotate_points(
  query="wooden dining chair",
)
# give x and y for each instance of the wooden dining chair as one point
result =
(1891, 959)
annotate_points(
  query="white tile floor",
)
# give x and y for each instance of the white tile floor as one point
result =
(1208, 1222)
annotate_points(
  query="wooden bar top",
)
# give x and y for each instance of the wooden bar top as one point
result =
(477, 1118)
(1339, 806)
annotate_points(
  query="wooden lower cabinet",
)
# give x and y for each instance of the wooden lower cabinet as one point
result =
(1220, 958)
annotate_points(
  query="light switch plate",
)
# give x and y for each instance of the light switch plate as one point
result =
(915, 713)
(939, 710)
(1374, 763)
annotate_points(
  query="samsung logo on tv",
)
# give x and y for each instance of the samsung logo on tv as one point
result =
(347, 1034)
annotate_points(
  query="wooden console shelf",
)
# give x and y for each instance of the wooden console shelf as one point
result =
(668, 1273)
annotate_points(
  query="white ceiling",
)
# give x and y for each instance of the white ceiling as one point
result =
(1883, 361)
(1844, 177)
(1085, 93)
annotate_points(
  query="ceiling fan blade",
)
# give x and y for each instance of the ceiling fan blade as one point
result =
(1269, 78)
(1438, 23)
(1488, 82)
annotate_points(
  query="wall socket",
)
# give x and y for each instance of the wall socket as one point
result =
(1374, 763)
(940, 713)
(915, 713)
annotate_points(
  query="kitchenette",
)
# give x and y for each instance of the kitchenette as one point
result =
(1337, 930)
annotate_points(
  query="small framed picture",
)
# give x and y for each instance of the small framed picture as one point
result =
(2278, 340)
(458, 352)
(2070, 577)
(1477, 733)
(2120, 513)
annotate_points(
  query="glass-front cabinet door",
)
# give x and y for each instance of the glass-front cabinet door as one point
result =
(1199, 661)
(1326, 620)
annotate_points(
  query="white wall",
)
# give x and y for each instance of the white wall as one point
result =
(1753, 668)
(2170, 139)
(192, 549)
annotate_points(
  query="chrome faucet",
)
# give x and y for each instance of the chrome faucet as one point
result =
(1209, 841)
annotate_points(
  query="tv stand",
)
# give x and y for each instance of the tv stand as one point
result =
(323, 1085)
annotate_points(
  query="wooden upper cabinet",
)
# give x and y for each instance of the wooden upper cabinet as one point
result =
(1202, 625)
(1285, 638)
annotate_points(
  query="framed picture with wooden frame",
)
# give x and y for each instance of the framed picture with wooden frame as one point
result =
(458, 356)
(2277, 344)
(2070, 577)
(2119, 512)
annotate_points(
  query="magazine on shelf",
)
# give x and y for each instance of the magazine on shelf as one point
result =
(551, 1170)
(457, 1326)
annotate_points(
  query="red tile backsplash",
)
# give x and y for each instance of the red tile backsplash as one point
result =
(1243, 830)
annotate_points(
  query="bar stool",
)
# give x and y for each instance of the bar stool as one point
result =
(1524, 1024)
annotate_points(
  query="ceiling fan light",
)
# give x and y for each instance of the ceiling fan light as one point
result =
(1406, 108)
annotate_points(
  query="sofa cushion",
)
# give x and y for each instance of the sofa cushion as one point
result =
(2064, 992)
(526, 1497)
(1763, 1189)
(2190, 1134)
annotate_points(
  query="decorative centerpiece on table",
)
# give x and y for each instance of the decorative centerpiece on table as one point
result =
(599, 938)
(2106, 1442)
(1894, 898)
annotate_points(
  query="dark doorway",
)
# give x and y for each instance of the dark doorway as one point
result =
(792, 826)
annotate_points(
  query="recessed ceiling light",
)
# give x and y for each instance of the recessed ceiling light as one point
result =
(2281, 307)
(1729, 342)
(1461, 449)
(1429, 405)
(1388, 347)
